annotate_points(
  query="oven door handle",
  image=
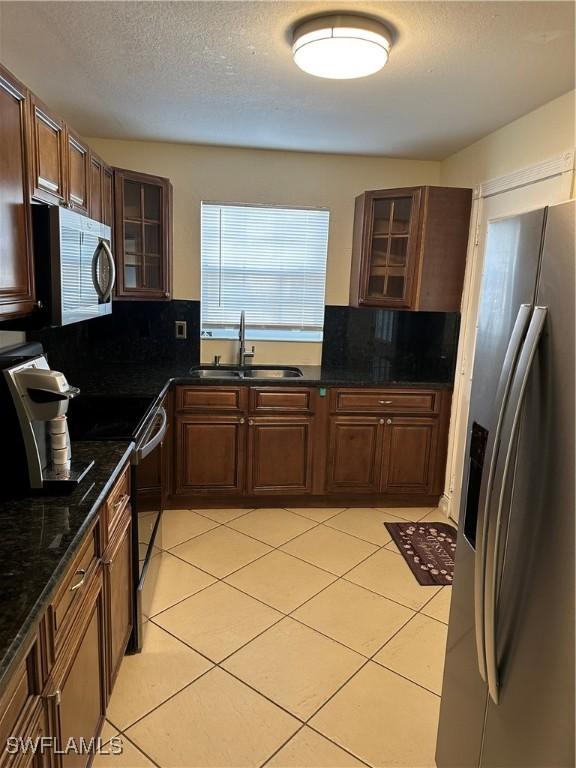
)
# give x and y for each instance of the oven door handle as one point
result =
(144, 450)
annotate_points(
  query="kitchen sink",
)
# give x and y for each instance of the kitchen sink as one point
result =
(248, 372)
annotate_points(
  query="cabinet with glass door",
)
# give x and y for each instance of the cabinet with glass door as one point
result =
(143, 210)
(409, 248)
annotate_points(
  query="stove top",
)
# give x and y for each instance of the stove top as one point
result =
(99, 417)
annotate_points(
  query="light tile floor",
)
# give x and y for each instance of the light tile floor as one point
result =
(284, 637)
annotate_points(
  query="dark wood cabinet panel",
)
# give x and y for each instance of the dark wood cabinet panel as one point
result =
(96, 182)
(47, 154)
(143, 235)
(210, 454)
(118, 594)
(354, 454)
(80, 695)
(17, 296)
(409, 248)
(78, 173)
(280, 455)
(107, 196)
(409, 456)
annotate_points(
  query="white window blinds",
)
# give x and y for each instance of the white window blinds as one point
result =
(268, 261)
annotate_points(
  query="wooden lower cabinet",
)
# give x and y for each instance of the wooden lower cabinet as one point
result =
(118, 594)
(354, 454)
(210, 453)
(409, 455)
(380, 442)
(79, 688)
(280, 455)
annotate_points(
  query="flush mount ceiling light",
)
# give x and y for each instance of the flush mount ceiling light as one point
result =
(341, 47)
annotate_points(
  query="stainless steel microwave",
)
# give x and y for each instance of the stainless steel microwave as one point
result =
(75, 272)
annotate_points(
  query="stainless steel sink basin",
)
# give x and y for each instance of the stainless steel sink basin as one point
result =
(214, 373)
(248, 372)
(272, 373)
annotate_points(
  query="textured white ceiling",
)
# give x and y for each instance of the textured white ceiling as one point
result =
(222, 72)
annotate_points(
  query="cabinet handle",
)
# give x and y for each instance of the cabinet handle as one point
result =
(385, 402)
(242, 421)
(380, 421)
(82, 573)
(388, 421)
(121, 501)
(251, 422)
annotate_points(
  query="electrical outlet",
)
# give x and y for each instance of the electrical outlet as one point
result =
(180, 329)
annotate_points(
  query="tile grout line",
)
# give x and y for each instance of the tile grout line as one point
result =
(282, 616)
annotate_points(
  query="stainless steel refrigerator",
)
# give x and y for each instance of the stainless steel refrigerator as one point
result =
(508, 691)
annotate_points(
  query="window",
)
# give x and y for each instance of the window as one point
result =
(268, 261)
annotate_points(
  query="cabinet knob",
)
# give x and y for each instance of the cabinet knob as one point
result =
(56, 696)
(388, 421)
(385, 402)
(251, 421)
(242, 421)
(380, 421)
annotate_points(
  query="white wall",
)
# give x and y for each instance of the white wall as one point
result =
(261, 176)
(540, 135)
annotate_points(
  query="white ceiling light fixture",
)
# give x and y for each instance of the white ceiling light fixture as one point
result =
(341, 47)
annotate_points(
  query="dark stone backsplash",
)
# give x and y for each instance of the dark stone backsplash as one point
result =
(135, 332)
(394, 344)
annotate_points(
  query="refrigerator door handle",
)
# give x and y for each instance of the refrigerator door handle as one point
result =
(514, 346)
(505, 461)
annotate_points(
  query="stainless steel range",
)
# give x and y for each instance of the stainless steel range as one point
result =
(145, 422)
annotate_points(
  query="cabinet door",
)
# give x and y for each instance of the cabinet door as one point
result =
(96, 187)
(81, 693)
(78, 173)
(107, 196)
(386, 248)
(118, 594)
(210, 454)
(16, 258)
(143, 213)
(354, 454)
(280, 455)
(409, 460)
(48, 150)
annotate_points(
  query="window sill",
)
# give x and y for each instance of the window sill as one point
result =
(314, 337)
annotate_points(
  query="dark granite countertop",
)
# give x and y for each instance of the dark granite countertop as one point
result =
(40, 536)
(153, 379)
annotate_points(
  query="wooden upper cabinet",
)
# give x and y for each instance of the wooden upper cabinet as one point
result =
(409, 248)
(47, 155)
(96, 186)
(107, 196)
(17, 296)
(100, 194)
(78, 173)
(143, 235)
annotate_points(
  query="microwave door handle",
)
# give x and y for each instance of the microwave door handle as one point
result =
(514, 345)
(112, 270)
(509, 434)
(95, 259)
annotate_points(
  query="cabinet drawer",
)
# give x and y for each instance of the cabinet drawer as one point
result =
(384, 400)
(272, 399)
(210, 398)
(117, 500)
(69, 596)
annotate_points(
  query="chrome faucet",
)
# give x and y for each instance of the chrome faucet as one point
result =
(242, 354)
